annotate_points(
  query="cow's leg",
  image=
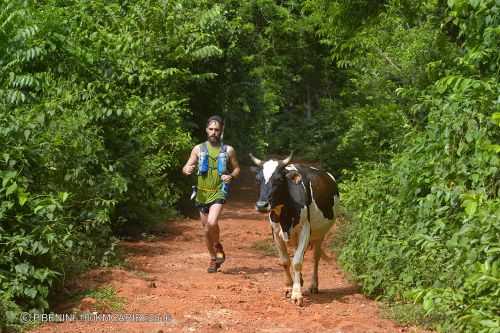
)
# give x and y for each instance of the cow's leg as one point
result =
(313, 289)
(284, 257)
(298, 259)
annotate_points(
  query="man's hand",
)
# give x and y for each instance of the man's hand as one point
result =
(190, 165)
(234, 164)
(226, 178)
(188, 169)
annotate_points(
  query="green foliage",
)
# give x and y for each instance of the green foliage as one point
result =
(426, 225)
(101, 101)
(93, 97)
(106, 299)
(384, 56)
(432, 236)
(410, 314)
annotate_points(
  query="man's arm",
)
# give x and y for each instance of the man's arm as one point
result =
(235, 166)
(190, 165)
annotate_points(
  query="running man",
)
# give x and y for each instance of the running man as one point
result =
(216, 166)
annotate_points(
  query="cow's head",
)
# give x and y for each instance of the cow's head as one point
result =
(271, 178)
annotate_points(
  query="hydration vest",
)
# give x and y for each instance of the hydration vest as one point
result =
(222, 158)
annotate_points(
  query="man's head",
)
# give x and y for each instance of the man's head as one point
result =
(215, 127)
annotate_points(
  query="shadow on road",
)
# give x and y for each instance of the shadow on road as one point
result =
(250, 270)
(334, 294)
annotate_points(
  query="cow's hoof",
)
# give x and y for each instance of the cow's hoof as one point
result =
(299, 301)
(313, 290)
(288, 292)
(297, 298)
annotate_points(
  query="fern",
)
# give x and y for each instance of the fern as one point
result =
(24, 81)
(15, 97)
(26, 33)
(8, 15)
(461, 84)
(206, 52)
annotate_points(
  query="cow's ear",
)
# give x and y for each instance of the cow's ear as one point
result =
(254, 169)
(294, 176)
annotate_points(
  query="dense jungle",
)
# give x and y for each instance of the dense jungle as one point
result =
(101, 102)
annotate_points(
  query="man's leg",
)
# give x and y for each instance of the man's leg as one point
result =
(213, 222)
(213, 225)
(207, 231)
(209, 218)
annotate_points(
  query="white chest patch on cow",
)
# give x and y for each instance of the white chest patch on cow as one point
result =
(268, 169)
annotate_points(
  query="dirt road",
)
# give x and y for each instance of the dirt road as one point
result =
(167, 277)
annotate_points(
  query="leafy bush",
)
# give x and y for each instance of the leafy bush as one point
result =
(426, 224)
(100, 102)
(432, 236)
(93, 97)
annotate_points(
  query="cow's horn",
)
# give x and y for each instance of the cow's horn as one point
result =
(287, 160)
(255, 160)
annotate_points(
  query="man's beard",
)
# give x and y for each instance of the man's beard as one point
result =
(214, 139)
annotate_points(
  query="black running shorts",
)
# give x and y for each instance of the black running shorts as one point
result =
(205, 208)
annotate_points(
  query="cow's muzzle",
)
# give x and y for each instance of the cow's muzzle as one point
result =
(262, 206)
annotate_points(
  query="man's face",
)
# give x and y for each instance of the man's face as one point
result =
(214, 132)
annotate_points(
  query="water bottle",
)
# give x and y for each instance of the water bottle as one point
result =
(225, 189)
(194, 191)
(203, 162)
(222, 163)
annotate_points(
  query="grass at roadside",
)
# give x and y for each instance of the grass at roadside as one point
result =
(265, 246)
(409, 314)
(104, 299)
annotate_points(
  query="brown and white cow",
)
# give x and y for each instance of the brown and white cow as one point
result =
(301, 201)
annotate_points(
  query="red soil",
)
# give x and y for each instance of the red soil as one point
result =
(168, 276)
